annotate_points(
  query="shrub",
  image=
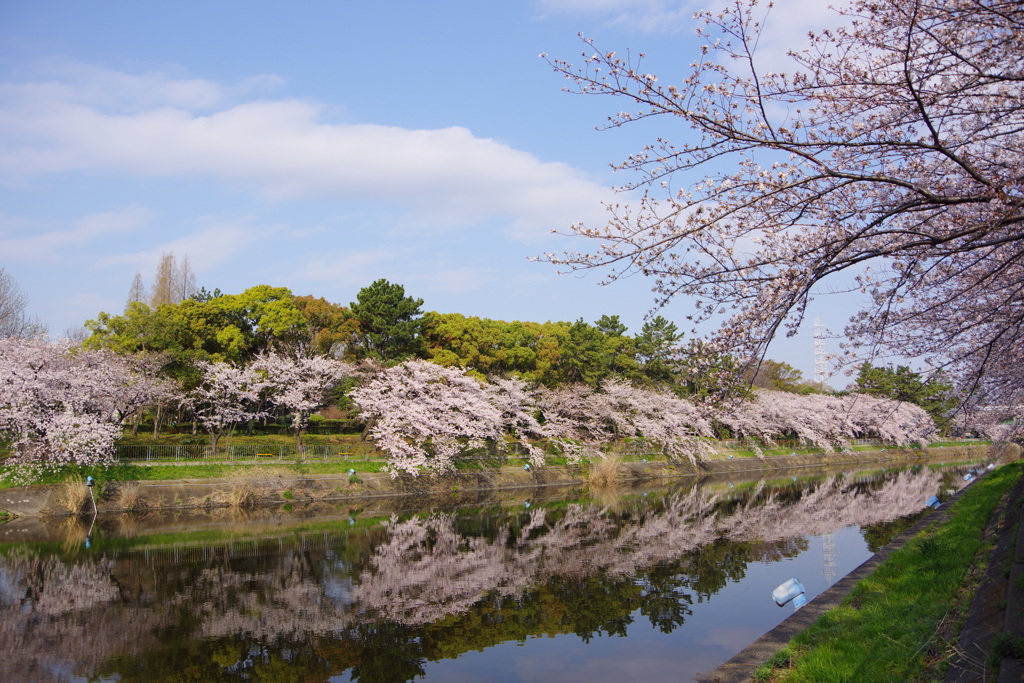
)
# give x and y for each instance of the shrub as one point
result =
(129, 497)
(73, 495)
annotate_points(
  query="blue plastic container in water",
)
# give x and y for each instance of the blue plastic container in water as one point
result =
(787, 592)
(933, 502)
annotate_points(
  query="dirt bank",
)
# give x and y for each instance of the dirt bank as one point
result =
(267, 485)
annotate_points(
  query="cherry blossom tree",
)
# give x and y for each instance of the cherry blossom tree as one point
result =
(582, 419)
(57, 405)
(519, 407)
(227, 395)
(828, 422)
(300, 385)
(891, 154)
(131, 381)
(425, 415)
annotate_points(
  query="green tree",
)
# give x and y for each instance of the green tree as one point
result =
(584, 356)
(329, 327)
(621, 354)
(933, 393)
(389, 322)
(611, 326)
(778, 376)
(259, 319)
(704, 372)
(657, 350)
(230, 327)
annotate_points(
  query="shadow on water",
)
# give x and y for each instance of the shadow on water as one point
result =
(440, 588)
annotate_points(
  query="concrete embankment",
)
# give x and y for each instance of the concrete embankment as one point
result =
(274, 485)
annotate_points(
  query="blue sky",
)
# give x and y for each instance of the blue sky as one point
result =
(322, 145)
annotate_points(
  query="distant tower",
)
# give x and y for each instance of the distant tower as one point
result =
(820, 354)
(828, 553)
(828, 541)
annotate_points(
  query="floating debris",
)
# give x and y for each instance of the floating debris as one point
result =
(787, 592)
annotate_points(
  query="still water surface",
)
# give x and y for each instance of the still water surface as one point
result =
(655, 585)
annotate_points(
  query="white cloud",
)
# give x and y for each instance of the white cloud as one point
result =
(63, 80)
(786, 23)
(53, 245)
(351, 268)
(205, 248)
(282, 150)
(461, 280)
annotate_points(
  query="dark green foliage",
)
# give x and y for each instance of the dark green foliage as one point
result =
(1006, 645)
(657, 349)
(389, 322)
(934, 394)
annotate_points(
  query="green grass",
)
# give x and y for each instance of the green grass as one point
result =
(157, 470)
(163, 472)
(887, 628)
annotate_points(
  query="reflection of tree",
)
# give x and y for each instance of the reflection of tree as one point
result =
(414, 590)
(832, 505)
(427, 570)
(55, 613)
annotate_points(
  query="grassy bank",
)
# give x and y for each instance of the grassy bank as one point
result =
(368, 462)
(890, 626)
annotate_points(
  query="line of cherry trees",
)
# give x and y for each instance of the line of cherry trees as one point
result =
(427, 388)
(67, 403)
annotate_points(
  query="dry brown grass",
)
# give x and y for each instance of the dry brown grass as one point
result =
(129, 497)
(605, 471)
(1006, 451)
(242, 495)
(71, 532)
(73, 495)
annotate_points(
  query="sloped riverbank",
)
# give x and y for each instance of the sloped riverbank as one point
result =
(974, 636)
(267, 485)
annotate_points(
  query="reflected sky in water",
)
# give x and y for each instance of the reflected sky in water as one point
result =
(738, 614)
(658, 585)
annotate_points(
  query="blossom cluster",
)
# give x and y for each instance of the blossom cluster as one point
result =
(426, 416)
(60, 403)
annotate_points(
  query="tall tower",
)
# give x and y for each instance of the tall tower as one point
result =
(828, 557)
(820, 353)
(828, 541)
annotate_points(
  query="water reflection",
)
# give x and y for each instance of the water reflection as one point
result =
(377, 601)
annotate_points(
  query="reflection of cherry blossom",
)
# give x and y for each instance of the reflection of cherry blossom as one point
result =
(411, 572)
(426, 569)
(58, 615)
(831, 505)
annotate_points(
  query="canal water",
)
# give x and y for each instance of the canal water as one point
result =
(630, 584)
